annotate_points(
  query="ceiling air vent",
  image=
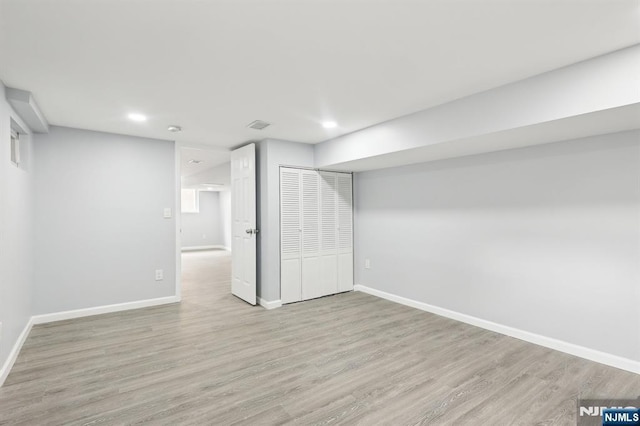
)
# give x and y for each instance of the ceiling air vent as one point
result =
(258, 125)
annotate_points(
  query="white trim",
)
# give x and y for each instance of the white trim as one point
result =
(226, 248)
(269, 304)
(78, 313)
(195, 248)
(13, 355)
(559, 345)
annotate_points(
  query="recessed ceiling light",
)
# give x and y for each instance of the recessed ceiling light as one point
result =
(137, 117)
(329, 124)
(173, 128)
(195, 161)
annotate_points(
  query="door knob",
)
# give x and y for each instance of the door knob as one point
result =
(252, 231)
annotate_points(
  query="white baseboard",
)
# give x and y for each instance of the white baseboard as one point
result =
(196, 248)
(559, 345)
(78, 313)
(13, 355)
(269, 304)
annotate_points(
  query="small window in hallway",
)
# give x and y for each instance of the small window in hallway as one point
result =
(15, 147)
(190, 200)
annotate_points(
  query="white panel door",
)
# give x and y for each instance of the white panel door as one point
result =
(290, 236)
(310, 207)
(243, 214)
(345, 232)
(328, 233)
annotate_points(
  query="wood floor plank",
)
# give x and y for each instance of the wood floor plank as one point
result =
(345, 359)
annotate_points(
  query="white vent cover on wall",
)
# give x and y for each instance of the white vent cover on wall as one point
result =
(258, 125)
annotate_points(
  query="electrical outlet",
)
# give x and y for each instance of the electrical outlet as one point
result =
(367, 264)
(159, 275)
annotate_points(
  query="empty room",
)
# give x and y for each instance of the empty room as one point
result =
(263, 212)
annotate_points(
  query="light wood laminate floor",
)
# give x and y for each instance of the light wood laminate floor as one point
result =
(345, 359)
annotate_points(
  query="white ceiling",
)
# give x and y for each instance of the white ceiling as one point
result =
(219, 178)
(209, 158)
(214, 66)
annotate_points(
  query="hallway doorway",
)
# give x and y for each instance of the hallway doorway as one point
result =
(206, 277)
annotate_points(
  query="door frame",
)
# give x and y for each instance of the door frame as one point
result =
(177, 209)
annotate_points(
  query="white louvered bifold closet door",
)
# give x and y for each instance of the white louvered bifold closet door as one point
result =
(329, 234)
(345, 232)
(290, 236)
(310, 235)
(316, 223)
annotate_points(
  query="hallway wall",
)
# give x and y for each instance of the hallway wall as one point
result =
(16, 235)
(204, 228)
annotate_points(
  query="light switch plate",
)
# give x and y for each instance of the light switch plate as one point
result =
(167, 212)
(367, 264)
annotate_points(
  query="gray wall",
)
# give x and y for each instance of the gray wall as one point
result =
(205, 227)
(16, 236)
(271, 155)
(100, 231)
(544, 239)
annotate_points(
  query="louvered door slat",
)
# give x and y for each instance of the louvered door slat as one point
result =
(345, 213)
(290, 236)
(311, 269)
(345, 232)
(329, 234)
(290, 211)
(310, 213)
(329, 221)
